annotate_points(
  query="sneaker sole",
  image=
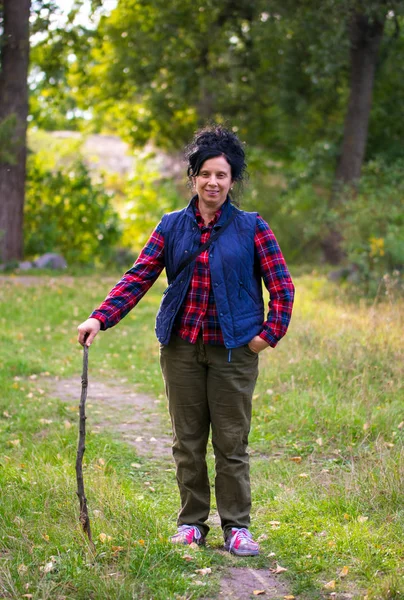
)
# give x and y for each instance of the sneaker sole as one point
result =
(247, 553)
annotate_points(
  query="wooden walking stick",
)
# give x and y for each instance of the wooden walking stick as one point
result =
(84, 518)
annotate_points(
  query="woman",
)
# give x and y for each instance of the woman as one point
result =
(211, 327)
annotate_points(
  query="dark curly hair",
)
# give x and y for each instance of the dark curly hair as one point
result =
(213, 141)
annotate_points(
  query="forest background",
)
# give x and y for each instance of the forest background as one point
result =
(315, 91)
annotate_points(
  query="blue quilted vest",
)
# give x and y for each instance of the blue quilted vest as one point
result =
(235, 276)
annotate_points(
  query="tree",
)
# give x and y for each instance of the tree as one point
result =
(13, 120)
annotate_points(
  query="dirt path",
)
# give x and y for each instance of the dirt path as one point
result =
(135, 418)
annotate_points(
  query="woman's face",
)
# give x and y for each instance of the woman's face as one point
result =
(213, 182)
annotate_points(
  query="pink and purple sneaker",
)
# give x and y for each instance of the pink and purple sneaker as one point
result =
(188, 534)
(240, 543)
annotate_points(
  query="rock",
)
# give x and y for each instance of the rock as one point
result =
(349, 273)
(50, 260)
(25, 265)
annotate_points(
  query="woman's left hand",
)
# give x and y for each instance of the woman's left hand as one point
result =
(257, 344)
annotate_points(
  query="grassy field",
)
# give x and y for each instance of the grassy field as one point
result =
(326, 454)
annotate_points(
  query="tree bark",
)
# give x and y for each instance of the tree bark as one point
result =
(365, 38)
(365, 35)
(13, 107)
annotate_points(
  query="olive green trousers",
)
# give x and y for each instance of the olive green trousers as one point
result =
(210, 388)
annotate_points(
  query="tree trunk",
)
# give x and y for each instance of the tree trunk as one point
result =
(365, 37)
(14, 109)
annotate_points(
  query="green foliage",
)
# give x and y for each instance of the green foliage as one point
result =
(148, 196)
(66, 212)
(373, 222)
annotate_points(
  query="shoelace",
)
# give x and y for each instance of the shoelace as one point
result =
(186, 528)
(242, 533)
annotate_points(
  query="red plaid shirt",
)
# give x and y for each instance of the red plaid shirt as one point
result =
(198, 312)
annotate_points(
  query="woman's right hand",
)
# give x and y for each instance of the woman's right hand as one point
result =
(88, 330)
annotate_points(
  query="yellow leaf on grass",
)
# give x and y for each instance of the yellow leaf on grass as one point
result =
(103, 537)
(344, 572)
(14, 442)
(289, 597)
(330, 585)
(319, 441)
(279, 569)
(296, 459)
(206, 571)
(141, 542)
(258, 592)
(45, 537)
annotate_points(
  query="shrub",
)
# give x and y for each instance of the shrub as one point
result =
(66, 212)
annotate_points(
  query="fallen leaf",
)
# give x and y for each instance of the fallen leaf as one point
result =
(194, 546)
(141, 542)
(136, 465)
(45, 537)
(258, 592)
(278, 569)
(116, 549)
(366, 426)
(101, 461)
(303, 475)
(14, 442)
(97, 513)
(199, 582)
(67, 424)
(362, 519)
(296, 459)
(206, 571)
(271, 554)
(152, 439)
(151, 489)
(274, 523)
(346, 517)
(27, 596)
(187, 557)
(102, 537)
(5, 414)
(344, 572)
(48, 567)
(319, 441)
(400, 425)
(22, 569)
(45, 421)
(269, 392)
(262, 537)
(330, 585)
(289, 597)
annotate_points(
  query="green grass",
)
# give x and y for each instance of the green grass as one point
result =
(326, 446)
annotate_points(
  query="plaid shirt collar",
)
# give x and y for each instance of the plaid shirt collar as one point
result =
(199, 218)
